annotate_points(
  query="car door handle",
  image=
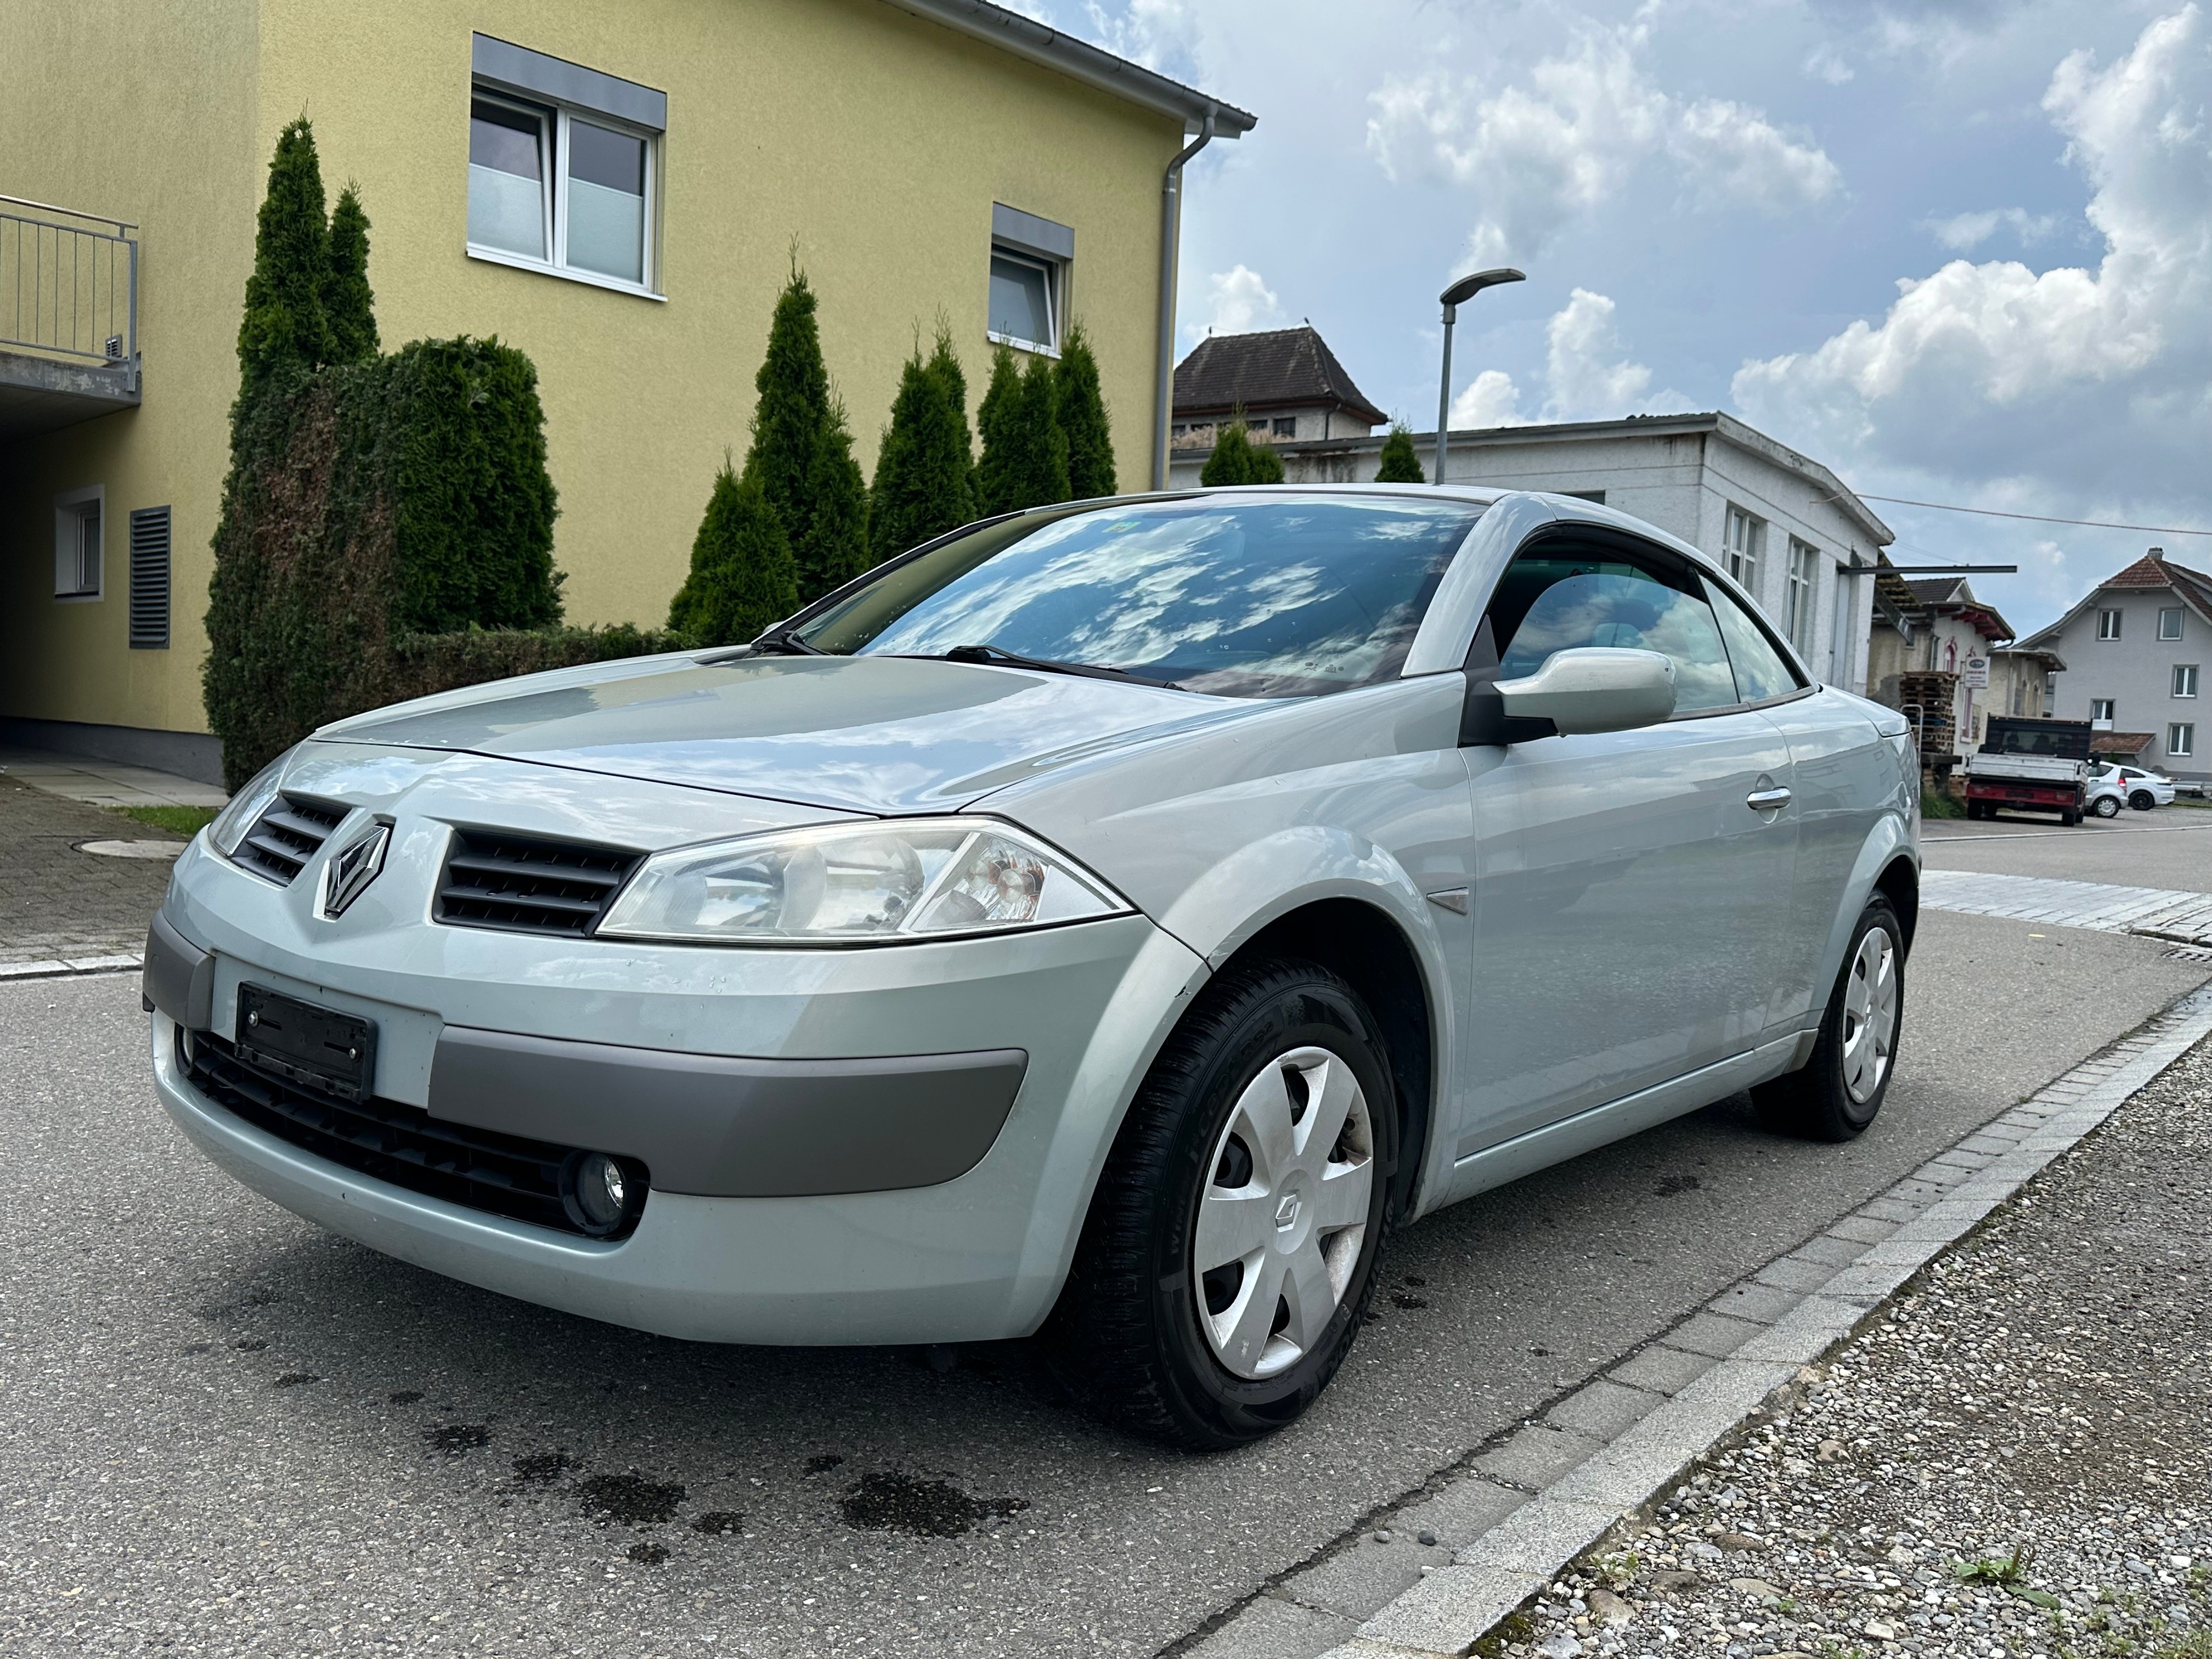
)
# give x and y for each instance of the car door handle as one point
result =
(1762, 800)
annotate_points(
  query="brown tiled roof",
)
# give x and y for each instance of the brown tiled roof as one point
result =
(2154, 571)
(2125, 745)
(1273, 370)
(1933, 590)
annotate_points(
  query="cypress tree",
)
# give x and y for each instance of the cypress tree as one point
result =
(1399, 463)
(1082, 418)
(1267, 465)
(799, 434)
(998, 489)
(921, 486)
(285, 330)
(348, 302)
(1230, 463)
(742, 575)
(1044, 444)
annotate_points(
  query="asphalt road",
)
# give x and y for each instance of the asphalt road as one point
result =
(222, 1430)
(2169, 846)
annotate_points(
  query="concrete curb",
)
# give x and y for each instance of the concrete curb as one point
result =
(58, 968)
(1605, 1451)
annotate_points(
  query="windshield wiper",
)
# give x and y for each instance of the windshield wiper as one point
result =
(1005, 659)
(786, 642)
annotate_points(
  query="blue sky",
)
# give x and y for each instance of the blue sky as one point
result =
(1958, 249)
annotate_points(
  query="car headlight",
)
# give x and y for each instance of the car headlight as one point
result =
(858, 883)
(232, 824)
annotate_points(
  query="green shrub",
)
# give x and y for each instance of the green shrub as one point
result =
(404, 494)
(423, 664)
(742, 575)
(1237, 460)
(1082, 418)
(802, 453)
(1398, 462)
(283, 332)
(1024, 452)
(924, 467)
(348, 302)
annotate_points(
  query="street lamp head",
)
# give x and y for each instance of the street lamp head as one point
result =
(1467, 286)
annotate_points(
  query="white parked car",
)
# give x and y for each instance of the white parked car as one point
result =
(1111, 919)
(2114, 787)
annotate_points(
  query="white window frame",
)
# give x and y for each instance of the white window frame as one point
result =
(1741, 554)
(2184, 673)
(1804, 596)
(2174, 611)
(2181, 740)
(68, 544)
(1055, 277)
(2107, 704)
(2108, 625)
(554, 194)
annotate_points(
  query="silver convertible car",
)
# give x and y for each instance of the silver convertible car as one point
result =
(1108, 921)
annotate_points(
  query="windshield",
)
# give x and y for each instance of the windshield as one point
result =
(1284, 596)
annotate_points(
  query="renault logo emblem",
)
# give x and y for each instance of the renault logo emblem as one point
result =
(1286, 1212)
(348, 874)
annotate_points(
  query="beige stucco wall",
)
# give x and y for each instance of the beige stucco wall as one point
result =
(873, 142)
(147, 112)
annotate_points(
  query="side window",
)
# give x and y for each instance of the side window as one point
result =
(1551, 600)
(1760, 670)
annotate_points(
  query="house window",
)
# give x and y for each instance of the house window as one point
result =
(1029, 261)
(2108, 625)
(2185, 679)
(1284, 426)
(562, 168)
(2181, 740)
(1747, 539)
(149, 578)
(2169, 622)
(2101, 708)
(77, 518)
(1804, 571)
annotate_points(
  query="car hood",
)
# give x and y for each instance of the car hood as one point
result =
(867, 734)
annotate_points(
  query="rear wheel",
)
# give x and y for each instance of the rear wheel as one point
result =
(2143, 800)
(2107, 806)
(2071, 817)
(1837, 1093)
(1227, 1258)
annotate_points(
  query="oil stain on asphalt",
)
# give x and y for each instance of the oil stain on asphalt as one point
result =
(629, 1498)
(888, 1501)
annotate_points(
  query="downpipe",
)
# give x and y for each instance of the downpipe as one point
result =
(1171, 226)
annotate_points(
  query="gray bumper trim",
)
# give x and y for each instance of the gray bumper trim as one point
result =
(179, 977)
(725, 1127)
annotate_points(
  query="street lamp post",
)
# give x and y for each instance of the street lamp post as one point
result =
(1452, 297)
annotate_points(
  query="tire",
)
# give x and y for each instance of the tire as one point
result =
(2069, 817)
(1832, 1097)
(2107, 806)
(2143, 800)
(1145, 1335)
(1976, 809)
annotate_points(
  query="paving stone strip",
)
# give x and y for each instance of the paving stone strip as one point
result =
(2183, 918)
(1440, 1571)
(65, 911)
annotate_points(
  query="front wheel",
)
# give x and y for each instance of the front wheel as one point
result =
(1837, 1093)
(1227, 1258)
(2107, 806)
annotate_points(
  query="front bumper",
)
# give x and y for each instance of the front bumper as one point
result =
(642, 1049)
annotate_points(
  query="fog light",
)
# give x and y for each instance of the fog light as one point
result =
(601, 1192)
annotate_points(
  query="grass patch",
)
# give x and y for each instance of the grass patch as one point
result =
(186, 821)
(1941, 804)
(1996, 1569)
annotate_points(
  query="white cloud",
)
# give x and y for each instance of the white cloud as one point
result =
(2095, 380)
(1827, 63)
(1587, 372)
(1149, 33)
(1489, 399)
(1967, 231)
(1572, 137)
(1241, 303)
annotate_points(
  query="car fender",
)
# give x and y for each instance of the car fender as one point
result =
(1890, 839)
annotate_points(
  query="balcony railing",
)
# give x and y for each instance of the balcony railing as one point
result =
(67, 290)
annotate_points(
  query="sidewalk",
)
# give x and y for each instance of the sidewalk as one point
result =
(104, 783)
(63, 910)
(2010, 1461)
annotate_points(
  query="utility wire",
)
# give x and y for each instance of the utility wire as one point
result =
(2033, 518)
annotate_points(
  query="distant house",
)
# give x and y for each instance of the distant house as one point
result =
(1286, 383)
(1926, 634)
(1780, 523)
(2133, 650)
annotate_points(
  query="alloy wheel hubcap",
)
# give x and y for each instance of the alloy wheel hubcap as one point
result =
(1870, 1016)
(1284, 1212)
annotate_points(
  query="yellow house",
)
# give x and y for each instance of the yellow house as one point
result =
(615, 186)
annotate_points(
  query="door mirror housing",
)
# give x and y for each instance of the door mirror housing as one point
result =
(1593, 689)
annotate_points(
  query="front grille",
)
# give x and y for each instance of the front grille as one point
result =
(283, 838)
(480, 1168)
(522, 884)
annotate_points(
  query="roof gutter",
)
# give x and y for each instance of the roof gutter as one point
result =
(1170, 240)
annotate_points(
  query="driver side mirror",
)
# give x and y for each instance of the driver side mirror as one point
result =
(1590, 689)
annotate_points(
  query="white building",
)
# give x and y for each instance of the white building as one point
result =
(1782, 525)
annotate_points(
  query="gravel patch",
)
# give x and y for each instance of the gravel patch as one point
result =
(2009, 1463)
